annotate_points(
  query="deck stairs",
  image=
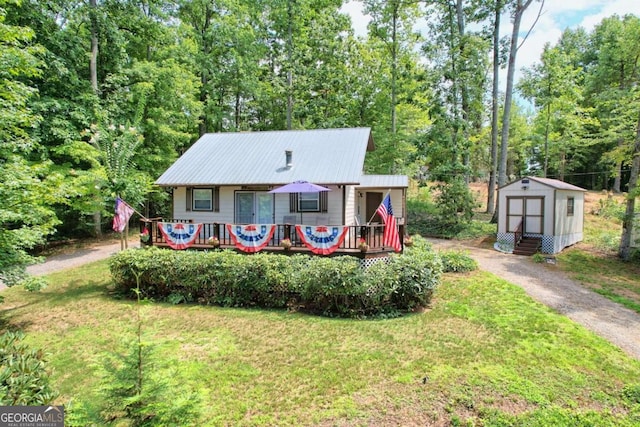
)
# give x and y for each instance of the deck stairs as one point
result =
(528, 246)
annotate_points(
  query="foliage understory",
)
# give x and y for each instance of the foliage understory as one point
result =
(451, 214)
(484, 353)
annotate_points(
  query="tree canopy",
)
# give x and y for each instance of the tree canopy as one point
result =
(99, 97)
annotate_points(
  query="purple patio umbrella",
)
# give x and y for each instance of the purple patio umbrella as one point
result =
(300, 187)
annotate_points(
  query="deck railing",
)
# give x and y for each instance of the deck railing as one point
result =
(517, 234)
(371, 234)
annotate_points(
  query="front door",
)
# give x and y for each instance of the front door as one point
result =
(253, 207)
(373, 200)
(529, 210)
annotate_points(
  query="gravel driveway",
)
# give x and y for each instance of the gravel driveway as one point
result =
(76, 258)
(552, 288)
(543, 283)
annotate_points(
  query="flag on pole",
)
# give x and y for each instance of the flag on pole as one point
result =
(390, 237)
(122, 214)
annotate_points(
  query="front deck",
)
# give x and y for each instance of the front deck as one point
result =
(371, 234)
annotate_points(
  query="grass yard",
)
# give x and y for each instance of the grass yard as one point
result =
(483, 354)
(594, 262)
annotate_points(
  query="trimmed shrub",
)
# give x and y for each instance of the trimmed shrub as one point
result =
(455, 261)
(336, 286)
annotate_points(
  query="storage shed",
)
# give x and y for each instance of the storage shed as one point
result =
(547, 211)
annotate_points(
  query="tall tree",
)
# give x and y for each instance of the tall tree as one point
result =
(518, 10)
(554, 86)
(495, 105)
(628, 223)
(458, 58)
(28, 186)
(613, 64)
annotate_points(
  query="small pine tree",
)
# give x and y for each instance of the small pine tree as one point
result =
(455, 204)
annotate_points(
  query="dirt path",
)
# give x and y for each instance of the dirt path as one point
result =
(550, 286)
(79, 257)
(543, 283)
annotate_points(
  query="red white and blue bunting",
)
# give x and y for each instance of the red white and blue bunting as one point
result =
(322, 239)
(179, 235)
(251, 238)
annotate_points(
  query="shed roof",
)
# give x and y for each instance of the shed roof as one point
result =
(553, 183)
(384, 181)
(326, 156)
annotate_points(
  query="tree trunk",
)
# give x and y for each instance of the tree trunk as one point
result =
(93, 71)
(546, 141)
(627, 225)
(491, 197)
(394, 66)
(289, 64)
(464, 92)
(617, 182)
(506, 117)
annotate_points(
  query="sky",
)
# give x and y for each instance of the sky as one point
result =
(557, 15)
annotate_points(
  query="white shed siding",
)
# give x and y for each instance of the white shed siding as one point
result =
(560, 230)
(535, 189)
(569, 224)
(568, 228)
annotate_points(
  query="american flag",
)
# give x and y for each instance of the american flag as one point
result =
(122, 214)
(390, 237)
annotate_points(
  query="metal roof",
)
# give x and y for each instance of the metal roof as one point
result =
(553, 183)
(556, 183)
(327, 156)
(384, 181)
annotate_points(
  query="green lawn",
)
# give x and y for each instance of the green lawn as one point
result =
(483, 354)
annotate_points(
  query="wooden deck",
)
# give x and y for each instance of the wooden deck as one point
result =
(372, 234)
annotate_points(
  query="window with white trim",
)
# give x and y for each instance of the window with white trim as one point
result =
(309, 202)
(571, 203)
(202, 199)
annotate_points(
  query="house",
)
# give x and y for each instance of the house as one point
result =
(225, 178)
(545, 214)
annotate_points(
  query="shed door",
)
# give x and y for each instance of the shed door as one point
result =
(529, 210)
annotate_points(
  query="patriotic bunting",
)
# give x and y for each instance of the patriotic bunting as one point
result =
(322, 240)
(251, 238)
(179, 235)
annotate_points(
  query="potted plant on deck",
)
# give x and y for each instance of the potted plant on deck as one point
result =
(286, 244)
(214, 241)
(144, 236)
(363, 245)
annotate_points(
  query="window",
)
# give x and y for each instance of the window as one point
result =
(309, 202)
(570, 205)
(203, 199)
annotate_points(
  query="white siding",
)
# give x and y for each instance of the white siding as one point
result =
(565, 224)
(333, 216)
(535, 189)
(360, 206)
(560, 229)
(350, 207)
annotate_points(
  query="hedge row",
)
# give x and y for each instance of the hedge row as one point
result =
(335, 286)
